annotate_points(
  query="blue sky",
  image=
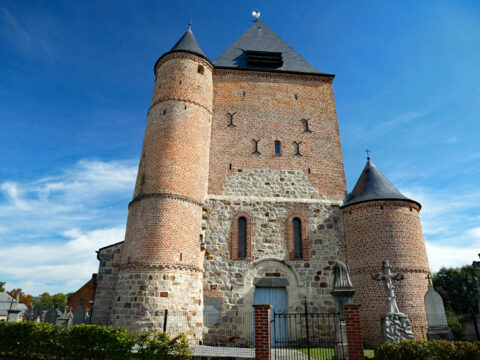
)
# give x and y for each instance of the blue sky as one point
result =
(76, 80)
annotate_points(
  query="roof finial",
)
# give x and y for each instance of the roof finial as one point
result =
(256, 14)
(190, 25)
(368, 154)
(429, 277)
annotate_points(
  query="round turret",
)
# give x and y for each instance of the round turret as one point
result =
(382, 224)
(162, 264)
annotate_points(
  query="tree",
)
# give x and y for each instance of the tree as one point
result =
(60, 301)
(459, 288)
(46, 301)
(2, 284)
(23, 298)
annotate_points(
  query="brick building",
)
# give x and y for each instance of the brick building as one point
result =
(241, 198)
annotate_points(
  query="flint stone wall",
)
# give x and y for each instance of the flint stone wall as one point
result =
(271, 198)
(110, 258)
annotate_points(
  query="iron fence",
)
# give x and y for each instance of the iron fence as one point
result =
(308, 336)
(230, 328)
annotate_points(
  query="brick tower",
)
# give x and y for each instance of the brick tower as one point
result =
(162, 264)
(382, 224)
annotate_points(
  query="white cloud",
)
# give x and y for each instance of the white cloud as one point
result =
(55, 267)
(50, 227)
(454, 253)
(78, 197)
(449, 222)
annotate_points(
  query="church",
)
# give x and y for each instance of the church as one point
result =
(241, 199)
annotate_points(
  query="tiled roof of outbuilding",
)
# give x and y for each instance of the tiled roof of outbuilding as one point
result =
(259, 37)
(372, 185)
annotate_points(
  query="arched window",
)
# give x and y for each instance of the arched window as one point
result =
(242, 238)
(278, 148)
(297, 239)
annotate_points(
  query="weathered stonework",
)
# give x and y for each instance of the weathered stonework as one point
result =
(232, 281)
(109, 258)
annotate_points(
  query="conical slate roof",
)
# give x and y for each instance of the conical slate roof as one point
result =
(188, 43)
(259, 37)
(372, 185)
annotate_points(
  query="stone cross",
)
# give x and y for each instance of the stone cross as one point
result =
(388, 276)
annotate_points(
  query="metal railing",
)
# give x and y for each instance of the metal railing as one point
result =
(231, 328)
(307, 335)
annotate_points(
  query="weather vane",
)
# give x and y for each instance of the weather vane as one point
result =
(256, 14)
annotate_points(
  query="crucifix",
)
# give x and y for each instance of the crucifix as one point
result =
(368, 154)
(387, 275)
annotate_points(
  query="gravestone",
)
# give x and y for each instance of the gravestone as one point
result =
(78, 315)
(212, 312)
(51, 316)
(396, 326)
(437, 320)
(63, 318)
(343, 292)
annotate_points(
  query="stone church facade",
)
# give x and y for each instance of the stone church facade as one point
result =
(241, 189)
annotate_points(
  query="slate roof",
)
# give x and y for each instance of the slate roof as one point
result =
(6, 302)
(259, 37)
(372, 185)
(188, 42)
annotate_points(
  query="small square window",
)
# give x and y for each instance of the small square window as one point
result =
(200, 69)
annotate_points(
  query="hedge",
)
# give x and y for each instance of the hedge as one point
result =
(432, 350)
(28, 340)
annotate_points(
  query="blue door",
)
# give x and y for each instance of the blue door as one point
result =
(277, 297)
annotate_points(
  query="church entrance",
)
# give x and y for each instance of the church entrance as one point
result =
(277, 297)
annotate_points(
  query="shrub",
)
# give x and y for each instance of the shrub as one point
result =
(28, 340)
(154, 345)
(433, 350)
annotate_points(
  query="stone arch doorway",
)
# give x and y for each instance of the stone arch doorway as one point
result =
(271, 273)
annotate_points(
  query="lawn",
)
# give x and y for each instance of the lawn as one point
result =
(328, 353)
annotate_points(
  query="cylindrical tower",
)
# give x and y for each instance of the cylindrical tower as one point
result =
(382, 224)
(162, 264)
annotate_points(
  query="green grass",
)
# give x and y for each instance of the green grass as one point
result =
(328, 353)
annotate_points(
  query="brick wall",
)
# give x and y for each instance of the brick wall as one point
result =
(387, 230)
(271, 107)
(262, 332)
(86, 292)
(354, 332)
(165, 216)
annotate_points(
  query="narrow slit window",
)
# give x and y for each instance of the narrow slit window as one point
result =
(242, 238)
(278, 148)
(297, 239)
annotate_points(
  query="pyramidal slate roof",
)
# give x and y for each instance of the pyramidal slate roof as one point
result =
(372, 185)
(259, 37)
(188, 42)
